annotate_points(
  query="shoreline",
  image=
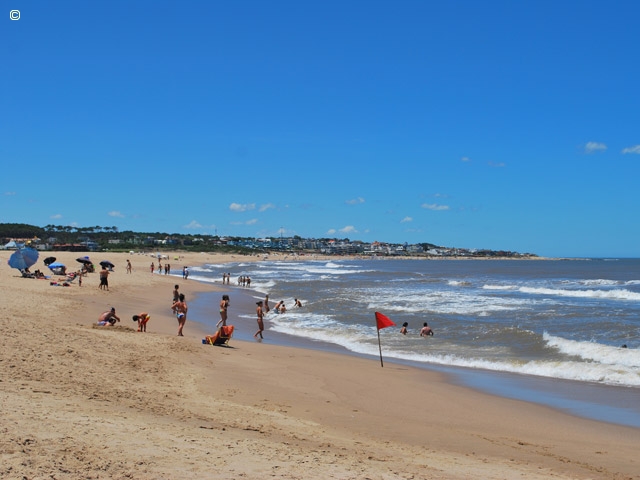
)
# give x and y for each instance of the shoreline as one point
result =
(81, 396)
(583, 399)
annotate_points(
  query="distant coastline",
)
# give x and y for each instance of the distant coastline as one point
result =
(93, 239)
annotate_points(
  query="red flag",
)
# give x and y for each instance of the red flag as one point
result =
(383, 321)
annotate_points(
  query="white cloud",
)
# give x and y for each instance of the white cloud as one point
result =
(434, 206)
(592, 147)
(242, 207)
(115, 213)
(497, 165)
(253, 221)
(465, 159)
(634, 149)
(57, 216)
(331, 231)
(266, 206)
(193, 224)
(406, 219)
(8, 194)
(355, 201)
(348, 229)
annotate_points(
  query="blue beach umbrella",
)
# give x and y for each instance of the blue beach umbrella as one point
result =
(23, 258)
(58, 268)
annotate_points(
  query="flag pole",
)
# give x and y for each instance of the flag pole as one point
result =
(380, 348)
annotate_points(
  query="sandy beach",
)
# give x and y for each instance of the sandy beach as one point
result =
(80, 401)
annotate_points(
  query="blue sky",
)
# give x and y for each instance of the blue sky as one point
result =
(501, 124)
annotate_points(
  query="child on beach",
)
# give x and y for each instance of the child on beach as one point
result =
(142, 319)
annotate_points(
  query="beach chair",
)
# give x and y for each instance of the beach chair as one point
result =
(221, 337)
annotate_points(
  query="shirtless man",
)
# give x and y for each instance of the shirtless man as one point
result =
(104, 279)
(426, 330)
(108, 318)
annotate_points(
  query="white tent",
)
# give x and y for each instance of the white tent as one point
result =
(12, 245)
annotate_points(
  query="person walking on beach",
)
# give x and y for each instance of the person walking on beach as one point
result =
(403, 330)
(129, 268)
(176, 296)
(104, 279)
(153, 267)
(224, 305)
(180, 307)
(142, 319)
(426, 330)
(259, 314)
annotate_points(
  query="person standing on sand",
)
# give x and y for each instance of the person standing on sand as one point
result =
(129, 268)
(104, 279)
(224, 305)
(259, 314)
(153, 267)
(176, 296)
(180, 307)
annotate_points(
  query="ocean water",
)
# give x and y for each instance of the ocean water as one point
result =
(557, 319)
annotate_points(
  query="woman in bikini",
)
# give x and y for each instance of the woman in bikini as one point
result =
(224, 305)
(180, 307)
(260, 314)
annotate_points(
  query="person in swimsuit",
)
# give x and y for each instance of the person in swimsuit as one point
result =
(426, 330)
(180, 307)
(104, 279)
(142, 319)
(403, 330)
(259, 314)
(176, 296)
(224, 305)
(266, 304)
(108, 318)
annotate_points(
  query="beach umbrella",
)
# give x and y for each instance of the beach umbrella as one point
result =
(57, 268)
(49, 260)
(84, 260)
(382, 321)
(23, 258)
(106, 264)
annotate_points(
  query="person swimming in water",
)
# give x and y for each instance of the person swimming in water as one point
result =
(426, 330)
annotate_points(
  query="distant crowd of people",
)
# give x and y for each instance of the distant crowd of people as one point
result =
(179, 305)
